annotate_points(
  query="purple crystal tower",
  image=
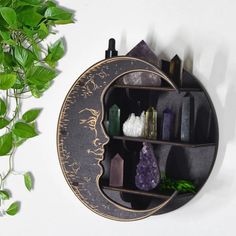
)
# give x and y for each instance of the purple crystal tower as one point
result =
(168, 124)
(147, 172)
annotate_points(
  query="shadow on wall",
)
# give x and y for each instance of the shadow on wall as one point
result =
(226, 113)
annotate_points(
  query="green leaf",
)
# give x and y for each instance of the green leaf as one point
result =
(43, 31)
(28, 181)
(31, 115)
(7, 38)
(3, 123)
(55, 52)
(31, 2)
(5, 35)
(38, 90)
(13, 208)
(9, 15)
(36, 50)
(18, 141)
(9, 60)
(63, 22)
(29, 17)
(29, 32)
(40, 75)
(58, 13)
(19, 84)
(5, 3)
(7, 80)
(5, 144)
(3, 107)
(4, 195)
(1, 55)
(23, 56)
(24, 130)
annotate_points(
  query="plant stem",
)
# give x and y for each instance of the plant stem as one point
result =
(10, 164)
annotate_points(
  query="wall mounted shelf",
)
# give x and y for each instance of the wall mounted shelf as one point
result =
(85, 148)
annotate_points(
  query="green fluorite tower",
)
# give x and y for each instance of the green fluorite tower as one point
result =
(114, 120)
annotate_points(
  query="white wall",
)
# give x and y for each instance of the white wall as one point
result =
(203, 30)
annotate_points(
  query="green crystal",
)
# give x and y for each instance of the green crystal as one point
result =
(114, 120)
(150, 131)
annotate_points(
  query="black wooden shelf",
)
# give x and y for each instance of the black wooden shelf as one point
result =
(137, 192)
(191, 145)
(164, 89)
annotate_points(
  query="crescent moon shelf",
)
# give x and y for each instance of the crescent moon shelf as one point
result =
(113, 174)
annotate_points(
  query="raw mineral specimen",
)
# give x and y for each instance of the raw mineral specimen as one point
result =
(142, 51)
(141, 79)
(134, 125)
(147, 171)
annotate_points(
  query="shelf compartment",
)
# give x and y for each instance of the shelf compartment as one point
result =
(172, 143)
(164, 89)
(138, 192)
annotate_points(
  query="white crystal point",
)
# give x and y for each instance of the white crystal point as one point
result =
(134, 125)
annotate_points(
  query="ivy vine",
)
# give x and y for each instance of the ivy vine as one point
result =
(27, 69)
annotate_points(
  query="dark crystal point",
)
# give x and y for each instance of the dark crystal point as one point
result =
(187, 117)
(147, 171)
(175, 70)
(114, 120)
(143, 51)
(165, 66)
(116, 171)
(167, 124)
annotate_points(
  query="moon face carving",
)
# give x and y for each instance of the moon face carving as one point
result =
(81, 136)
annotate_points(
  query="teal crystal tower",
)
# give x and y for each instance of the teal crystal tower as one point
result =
(114, 120)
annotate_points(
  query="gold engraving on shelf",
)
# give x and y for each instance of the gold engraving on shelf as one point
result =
(96, 142)
(102, 74)
(75, 166)
(87, 179)
(89, 87)
(91, 122)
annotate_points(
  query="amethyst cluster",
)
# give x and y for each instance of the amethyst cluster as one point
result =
(147, 172)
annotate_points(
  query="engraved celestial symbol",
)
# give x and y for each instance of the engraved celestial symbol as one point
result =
(89, 87)
(91, 123)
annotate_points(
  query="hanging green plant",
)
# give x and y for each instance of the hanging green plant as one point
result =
(26, 68)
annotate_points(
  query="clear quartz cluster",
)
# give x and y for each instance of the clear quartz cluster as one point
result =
(147, 172)
(134, 125)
